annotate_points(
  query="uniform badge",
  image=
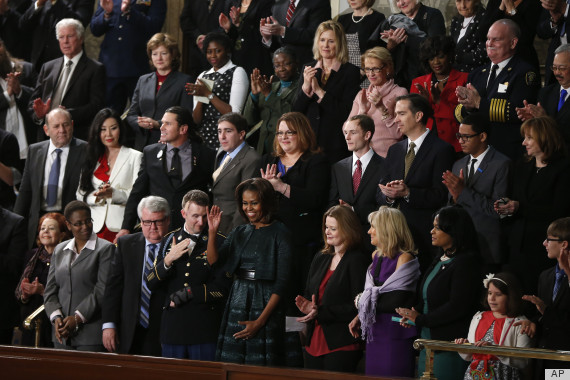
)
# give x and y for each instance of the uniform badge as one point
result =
(530, 78)
(204, 237)
(484, 70)
(509, 69)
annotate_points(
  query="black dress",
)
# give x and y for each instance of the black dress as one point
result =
(470, 50)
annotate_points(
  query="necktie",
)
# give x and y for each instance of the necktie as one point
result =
(175, 172)
(53, 180)
(563, 94)
(58, 94)
(471, 171)
(357, 176)
(290, 11)
(145, 291)
(557, 283)
(492, 76)
(409, 158)
(221, 167)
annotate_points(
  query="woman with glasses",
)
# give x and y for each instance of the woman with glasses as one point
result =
(379, 99)
(76, 283)
(438, 86)
(328, 86)
(108, 174)
(539, 196)
(269, 100)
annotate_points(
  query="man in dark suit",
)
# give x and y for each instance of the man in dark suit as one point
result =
(236, 161)
(553, 25)
(13, 245)
(73, 81)
(40, 20)
(52, 171)
(552, 99)
(476, 182)
(553, 298)
(299, 32)
(171, 168)
(131, 313)
(196, 291)
(127, 26)
(413, 171)
(197, 19)
(496, 89)
(10, 167)
(354, 179)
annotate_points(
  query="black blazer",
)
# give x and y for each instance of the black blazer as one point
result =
(85, 94)
(470, 51)
(548, 97)
(452, 297)
(29, 200)
(9, 156)
(12, 249)
(337, 305)
(430, 20)
(545, 32)
(328, 116)
(554, 326)
(364, 201)
(147, 102)
(123, 295)
(303, 211)
(427, 192)
(153, 180)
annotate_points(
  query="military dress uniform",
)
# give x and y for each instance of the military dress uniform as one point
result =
(197, 321)
(516, 82)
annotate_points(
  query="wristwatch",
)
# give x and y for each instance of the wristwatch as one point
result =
(211, 96)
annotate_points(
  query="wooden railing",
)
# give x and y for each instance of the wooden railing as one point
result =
(438, 345)
(46, 364)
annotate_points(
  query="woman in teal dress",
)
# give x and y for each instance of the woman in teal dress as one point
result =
(259, 254)
(449, 290)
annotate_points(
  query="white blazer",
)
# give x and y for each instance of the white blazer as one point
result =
(110, 211)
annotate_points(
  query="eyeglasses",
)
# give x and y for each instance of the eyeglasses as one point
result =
(374, 70)
(461, 137)
(86, 222)
(287, 133)
(157, 223)
(558, 68)
(553, 239)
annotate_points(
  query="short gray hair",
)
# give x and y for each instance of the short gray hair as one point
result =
(511, 25)
(58, 110)
(152, 203)
(78, 26)
(562, 49)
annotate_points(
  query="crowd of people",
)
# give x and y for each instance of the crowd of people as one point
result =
(303, 192)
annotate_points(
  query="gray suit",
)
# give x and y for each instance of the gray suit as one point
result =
(243, 166)
(29, 201)
(489, 183)
(80, 285)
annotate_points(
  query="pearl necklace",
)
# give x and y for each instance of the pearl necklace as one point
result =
(361, 18)
(442, 80)
(472, 18)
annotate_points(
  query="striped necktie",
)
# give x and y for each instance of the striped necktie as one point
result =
(145, 291)
(290, 11)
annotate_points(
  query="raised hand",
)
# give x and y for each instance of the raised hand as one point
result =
(454, 184)
(214, 216)
(309, 308)
(40, 108)
(224, 22)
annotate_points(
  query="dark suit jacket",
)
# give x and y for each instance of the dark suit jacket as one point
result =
(545, 31)
(301, 30)
(123, 294)
(336, 309)
(147, 102)
(554, 326)
(84, 96)
(13, 245)
(427, 192)
(430, 20)
(153, 180)
(489, 183)
(9, 156)
(364, 201)
(29, 201)
(452, 297)
(549, 97)
(41, 23)
(244, 166)
(470, 51)
(328, 116)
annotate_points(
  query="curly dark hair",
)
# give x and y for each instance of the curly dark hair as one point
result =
(433, 46)
(457, 223)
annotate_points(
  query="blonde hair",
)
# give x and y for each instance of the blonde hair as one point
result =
(381, 54)
(166, 40)
(339, 37)
(392, 232)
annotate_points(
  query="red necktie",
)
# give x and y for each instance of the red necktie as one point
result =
(357, 176)
(290, 12)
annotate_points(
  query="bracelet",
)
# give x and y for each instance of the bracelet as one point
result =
(76, 322)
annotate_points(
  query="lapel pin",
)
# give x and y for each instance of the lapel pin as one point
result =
(159, 155)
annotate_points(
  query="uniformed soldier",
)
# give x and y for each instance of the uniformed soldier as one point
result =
(196, 287)
(498, 88)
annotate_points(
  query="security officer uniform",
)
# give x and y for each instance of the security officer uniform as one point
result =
(516, 82)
